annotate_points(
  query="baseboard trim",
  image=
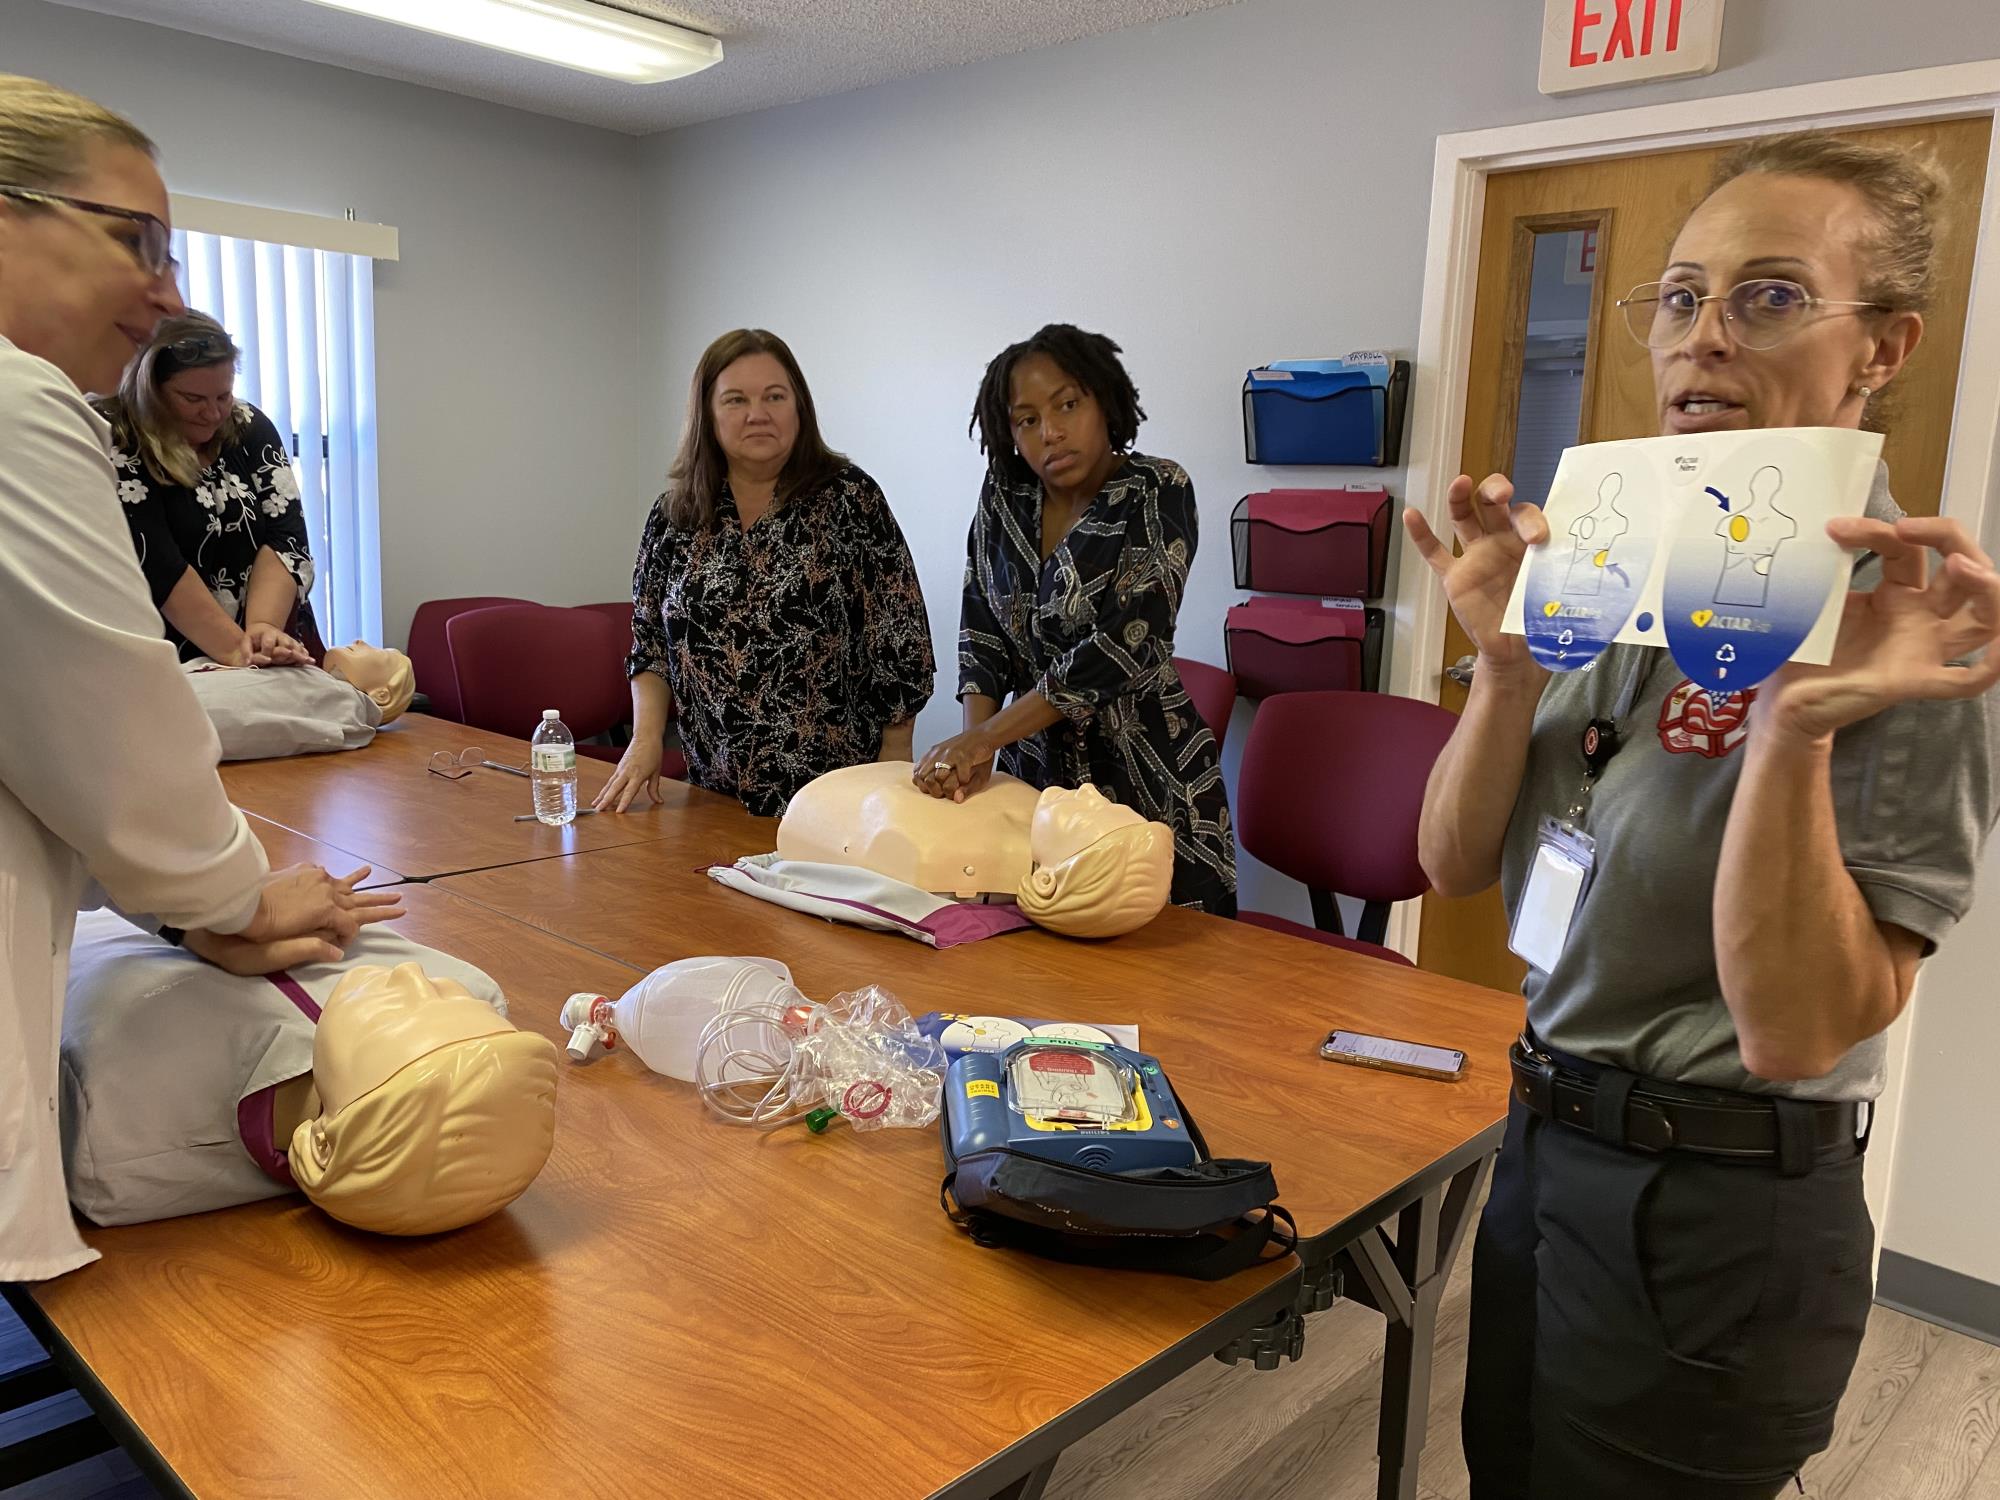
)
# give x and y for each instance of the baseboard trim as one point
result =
(1950, 1299)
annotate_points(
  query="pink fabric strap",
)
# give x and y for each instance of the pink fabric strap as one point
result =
(253, 1111)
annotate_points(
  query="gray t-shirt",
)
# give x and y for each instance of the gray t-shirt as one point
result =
(1916, 790)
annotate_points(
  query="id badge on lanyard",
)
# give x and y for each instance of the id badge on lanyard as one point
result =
(1565, 856)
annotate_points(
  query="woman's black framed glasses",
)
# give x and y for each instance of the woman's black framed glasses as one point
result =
(1759, 314)
(153, 249)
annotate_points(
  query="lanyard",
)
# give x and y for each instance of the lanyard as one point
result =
(1603, 738)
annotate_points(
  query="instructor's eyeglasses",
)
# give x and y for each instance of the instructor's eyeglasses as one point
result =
(151, 244)
(1757, 314)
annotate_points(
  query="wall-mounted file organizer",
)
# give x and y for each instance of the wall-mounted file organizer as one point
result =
(1302, 645)
(1322, 411)
(1312, 542)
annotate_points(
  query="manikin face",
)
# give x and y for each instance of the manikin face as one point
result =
(361, 665)
(383, 675)
(381, 1020)
(1068, 822)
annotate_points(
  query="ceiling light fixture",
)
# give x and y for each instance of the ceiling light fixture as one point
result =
(575, 34)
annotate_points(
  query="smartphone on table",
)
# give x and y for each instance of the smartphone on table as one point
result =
(1391, 1056)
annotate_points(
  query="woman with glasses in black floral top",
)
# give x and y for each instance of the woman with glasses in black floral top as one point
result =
(775, 606)
(212, 502)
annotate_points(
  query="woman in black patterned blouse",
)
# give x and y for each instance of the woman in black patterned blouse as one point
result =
(774, 601)
(212, 502)
(1075, 566)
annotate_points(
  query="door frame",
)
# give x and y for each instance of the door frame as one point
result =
(1462, 164)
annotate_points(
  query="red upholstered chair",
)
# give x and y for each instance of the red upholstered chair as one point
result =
(430, 652)
(672, 763)
(619, 613)
(1331, 788)
(515, 660)
(1213, 692)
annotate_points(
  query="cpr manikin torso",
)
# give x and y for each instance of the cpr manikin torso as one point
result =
(874, 817)
(428, 1110)
(263, 712)
(182, 1085)
(1076, 862)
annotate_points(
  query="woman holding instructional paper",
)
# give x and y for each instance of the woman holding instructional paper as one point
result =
(1724, 896)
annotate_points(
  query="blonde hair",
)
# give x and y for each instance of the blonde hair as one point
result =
(140, 419)
(1905, 191)
(46, 132)
(1112, 887)
(445, 1141)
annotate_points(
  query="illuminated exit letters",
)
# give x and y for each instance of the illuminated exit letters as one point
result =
(1592, 44)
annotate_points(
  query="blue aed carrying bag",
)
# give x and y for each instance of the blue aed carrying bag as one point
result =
(1079, 1151)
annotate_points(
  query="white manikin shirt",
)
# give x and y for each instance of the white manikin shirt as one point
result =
(261, 713)
(159, 1050)
(107, 771)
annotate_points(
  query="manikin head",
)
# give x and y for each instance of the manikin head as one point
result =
(385, 676)
(433, 1110)
(1100, 870)
(873, 816)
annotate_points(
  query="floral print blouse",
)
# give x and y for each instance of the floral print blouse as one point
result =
(1092, 628)
(246, 500)
(788, 647)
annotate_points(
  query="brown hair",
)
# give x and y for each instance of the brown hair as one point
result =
(1904, 190)
(45, 132)
(140, 420)
(700, 467)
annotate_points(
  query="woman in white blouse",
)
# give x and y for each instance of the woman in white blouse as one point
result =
(107, 763)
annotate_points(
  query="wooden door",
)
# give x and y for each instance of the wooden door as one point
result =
(1631, 208)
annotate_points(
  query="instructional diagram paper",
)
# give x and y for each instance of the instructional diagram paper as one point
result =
(1714, 546)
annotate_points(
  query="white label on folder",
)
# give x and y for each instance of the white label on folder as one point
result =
(1340, 604)
(1270, 374)
(1360, 359)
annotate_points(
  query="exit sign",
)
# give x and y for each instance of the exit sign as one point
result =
(1593, 44)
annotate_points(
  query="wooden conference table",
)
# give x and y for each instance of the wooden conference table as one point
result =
(684, 1306)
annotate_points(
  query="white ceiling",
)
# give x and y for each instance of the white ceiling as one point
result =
(775, 51)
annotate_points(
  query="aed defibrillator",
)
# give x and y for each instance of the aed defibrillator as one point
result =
(1079, 1150)
(1088, 1104)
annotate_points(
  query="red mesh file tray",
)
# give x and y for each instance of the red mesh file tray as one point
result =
(1301, 646)
(1312, 542)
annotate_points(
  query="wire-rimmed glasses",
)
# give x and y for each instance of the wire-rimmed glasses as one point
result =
(1758, 314)
(455, 767)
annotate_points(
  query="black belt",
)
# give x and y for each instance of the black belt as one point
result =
(1629, 1111)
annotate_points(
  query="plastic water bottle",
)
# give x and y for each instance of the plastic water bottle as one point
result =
(552, 760)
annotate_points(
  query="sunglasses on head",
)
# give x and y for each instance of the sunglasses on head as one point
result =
(201, 349)
(152, 248)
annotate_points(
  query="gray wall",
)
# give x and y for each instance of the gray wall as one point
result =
(505, 345)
